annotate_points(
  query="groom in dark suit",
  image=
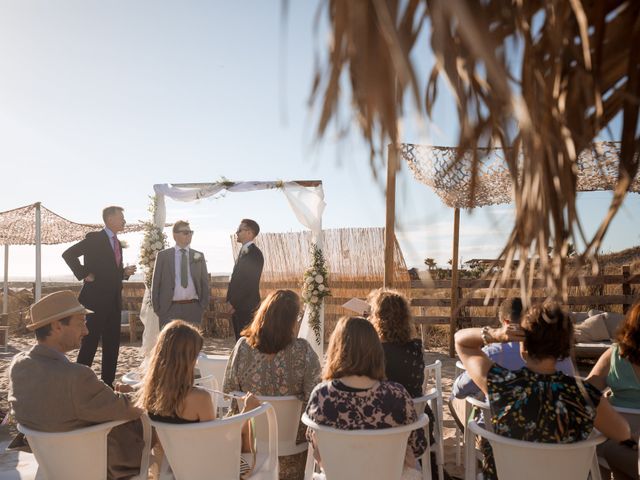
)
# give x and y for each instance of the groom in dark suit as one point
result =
(102, 273)
(243, 294)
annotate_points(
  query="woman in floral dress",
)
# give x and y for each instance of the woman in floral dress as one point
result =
(536, 403)
(269, 360)
(355, 396)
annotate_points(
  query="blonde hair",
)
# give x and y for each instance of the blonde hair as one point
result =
(391, 316)
(354, 349)
(170, 375)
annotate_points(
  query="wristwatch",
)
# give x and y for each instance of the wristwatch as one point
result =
(486, 337)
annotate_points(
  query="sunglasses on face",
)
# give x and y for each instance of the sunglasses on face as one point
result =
(185, 232)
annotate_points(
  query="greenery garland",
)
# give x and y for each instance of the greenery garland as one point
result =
(154, 240)
(315, 286)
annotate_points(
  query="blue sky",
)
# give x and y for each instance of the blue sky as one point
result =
(100, 100)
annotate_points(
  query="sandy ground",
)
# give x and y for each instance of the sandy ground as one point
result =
(131, 357)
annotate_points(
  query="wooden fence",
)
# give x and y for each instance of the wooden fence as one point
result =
(431, 305)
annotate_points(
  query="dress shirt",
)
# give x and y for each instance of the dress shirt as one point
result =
(245, 248)
(111, 236)
(180, 292)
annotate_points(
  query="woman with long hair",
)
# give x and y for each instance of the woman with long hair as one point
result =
(168, 393)
(403, 353)
(269, 360)
(619, 370)
(536, 403)
(354, 394)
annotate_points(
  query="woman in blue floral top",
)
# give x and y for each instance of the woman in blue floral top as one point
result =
(536, 403)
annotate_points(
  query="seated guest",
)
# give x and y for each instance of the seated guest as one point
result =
(49, 393)
(168, 393)
(619, 369)
(403, 357)
(506, 355)
(269, 360)
(355, 395)
(536, 403)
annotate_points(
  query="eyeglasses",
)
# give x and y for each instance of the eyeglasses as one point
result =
(185, 232)
(241, 230)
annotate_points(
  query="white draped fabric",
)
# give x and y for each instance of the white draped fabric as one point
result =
(307, 203)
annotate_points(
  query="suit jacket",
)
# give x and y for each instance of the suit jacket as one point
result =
(244, 286)
(49, 393)
(98, 259)
(164, 279)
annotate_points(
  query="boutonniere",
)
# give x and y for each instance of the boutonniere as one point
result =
(197, 257)
(123, 244)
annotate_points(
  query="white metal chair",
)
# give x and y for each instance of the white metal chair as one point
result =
(205, 450)
(532, 461)
(371, 454)
(432, 389)
(288, 410)
(80, 454)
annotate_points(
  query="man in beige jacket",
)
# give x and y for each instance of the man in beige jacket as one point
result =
(49, 393)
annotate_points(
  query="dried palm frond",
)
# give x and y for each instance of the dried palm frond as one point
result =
(539, 79)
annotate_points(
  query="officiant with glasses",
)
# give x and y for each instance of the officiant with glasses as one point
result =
(180, 285)
(243, 294)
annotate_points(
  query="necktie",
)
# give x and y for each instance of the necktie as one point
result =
(116, 250)
(184, 280)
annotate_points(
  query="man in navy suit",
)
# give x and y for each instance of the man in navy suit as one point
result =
(102, 273)
(243, 294)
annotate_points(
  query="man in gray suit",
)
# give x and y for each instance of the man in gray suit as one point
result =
(180, 285)
(49, 393)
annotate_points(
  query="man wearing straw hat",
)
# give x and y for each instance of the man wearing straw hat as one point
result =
(49, 393)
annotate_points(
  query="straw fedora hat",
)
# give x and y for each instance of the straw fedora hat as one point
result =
(55, 306)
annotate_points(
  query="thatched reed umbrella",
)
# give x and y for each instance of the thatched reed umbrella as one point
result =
(540, 79)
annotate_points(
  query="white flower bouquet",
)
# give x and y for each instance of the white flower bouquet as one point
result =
(153, 241)
(314, 288)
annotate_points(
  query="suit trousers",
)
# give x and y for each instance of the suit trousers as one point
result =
(189, 312)
(103, 324)
(241, 320)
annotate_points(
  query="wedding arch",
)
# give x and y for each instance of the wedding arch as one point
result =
(306, 199)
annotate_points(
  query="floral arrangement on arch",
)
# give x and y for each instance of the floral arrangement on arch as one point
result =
(314, 288)
(153, 241)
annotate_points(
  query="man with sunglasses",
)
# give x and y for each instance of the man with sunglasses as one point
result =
(180, 285)
(243, 294)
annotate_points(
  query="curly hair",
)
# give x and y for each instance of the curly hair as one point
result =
(548, 331)
(391, 316)
(274, 324)
(170, 375)
(354, 349)
(628, 336)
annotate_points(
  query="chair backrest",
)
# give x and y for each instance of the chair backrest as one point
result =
(432, 377)
(78, 454)
(288, 410)
(371, 454)
(530, 460)
(215, 366)
(212, 365)
(205, 450)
